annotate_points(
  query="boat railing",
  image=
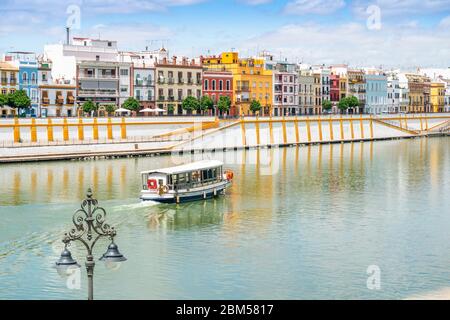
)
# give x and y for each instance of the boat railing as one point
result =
(191, 185)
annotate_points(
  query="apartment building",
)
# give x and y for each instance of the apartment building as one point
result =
(285, 89)
(176, 80)
(357, 88)
(27, 64)
(218, 84)
(56, 98)
(306, 91)
(8, 84)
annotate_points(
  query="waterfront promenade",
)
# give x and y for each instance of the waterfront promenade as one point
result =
(53, 139)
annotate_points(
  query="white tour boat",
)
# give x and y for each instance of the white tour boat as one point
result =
(193, 181)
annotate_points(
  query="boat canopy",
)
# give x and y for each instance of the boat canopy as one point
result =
(199, 165)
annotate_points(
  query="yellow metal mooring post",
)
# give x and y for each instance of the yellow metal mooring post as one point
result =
(331, 129)
(49, 130)
(361, 126)
(33, 130)
(284, 130)
(257, 131)
(80, 129)
(95, 129)
(65, 130)
(319, 124)
(109, 129)
(16, 130)
(123, 129)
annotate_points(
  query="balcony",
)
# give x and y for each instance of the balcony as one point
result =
(180, 80)
(171, 81)
(144, 84)
(243, 89)
(144, 98)
(45, 100)
(98, 93)
(161, 98)
(98, 77)
(161, 80)
(190, 81)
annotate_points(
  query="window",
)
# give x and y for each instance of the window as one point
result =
(228, 85)
(213, 85)
(109, 44)
(33, 78)
(124, 72)
(206, 84)
(220, 85)
(25, 77)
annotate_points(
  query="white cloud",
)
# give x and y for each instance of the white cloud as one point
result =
(402, 7)
(445, 23)
(88, 6)
(255, 2)
(313, 6)
(353, 43)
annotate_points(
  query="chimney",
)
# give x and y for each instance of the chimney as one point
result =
(193, 62)
(184, 61)
(174, 59)
(164, 60)
(67, 35)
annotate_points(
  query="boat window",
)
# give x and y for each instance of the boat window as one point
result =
(174, 179)
(144, 181)
(196, 175)
(160, 182)
(181, 178)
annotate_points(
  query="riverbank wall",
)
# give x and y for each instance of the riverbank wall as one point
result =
(125, 138)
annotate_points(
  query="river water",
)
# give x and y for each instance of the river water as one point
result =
(297, 223)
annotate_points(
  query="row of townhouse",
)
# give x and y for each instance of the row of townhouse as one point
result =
(67, 75)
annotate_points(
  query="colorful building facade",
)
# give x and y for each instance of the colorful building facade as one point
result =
(8, 84)
(218, 84)
(376, 93)
(177, 80)
(437, 96)
(251, 80)
(28, 77)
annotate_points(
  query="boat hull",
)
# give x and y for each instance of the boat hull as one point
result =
(186, 196)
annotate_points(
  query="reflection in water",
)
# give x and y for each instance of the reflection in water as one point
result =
(301, 222)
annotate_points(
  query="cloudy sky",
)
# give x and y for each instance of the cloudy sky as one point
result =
(404, 33)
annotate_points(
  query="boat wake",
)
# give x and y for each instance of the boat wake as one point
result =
(439, 294)
(142, 204)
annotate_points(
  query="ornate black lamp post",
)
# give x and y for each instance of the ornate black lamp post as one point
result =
(90, 225)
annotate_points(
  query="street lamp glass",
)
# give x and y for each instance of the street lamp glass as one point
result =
(112, 254)
(66, 259)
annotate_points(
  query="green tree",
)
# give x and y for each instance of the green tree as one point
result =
(3, 100)
(343, 104)
(353, 102)
(131, 104)
(327, 105)
(190, 103)
(224, 104)
(88, 107)
(19, 99)
(170, 108)
(206, 103)
(110, 108)
(255, 106)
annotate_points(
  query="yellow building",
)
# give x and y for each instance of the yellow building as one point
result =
(437, 96)
(251, 81)
(9, 83)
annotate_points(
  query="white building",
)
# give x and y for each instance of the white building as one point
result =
(94, 67)
(56, 97)
(285, 89)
